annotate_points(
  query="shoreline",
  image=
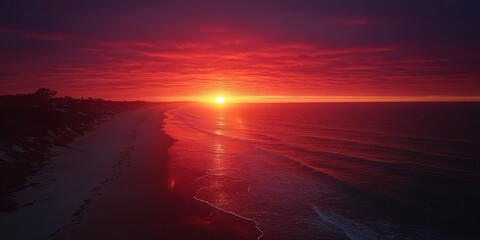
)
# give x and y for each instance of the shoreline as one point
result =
(113, 183)
(188, 188)
(232, 213)
(171, 210)
(193, 192)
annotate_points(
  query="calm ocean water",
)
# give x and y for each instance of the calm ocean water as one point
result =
(337, 170)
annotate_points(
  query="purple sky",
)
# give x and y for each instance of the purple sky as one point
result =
(163, 50)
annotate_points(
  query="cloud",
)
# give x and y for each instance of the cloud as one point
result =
(162, 49)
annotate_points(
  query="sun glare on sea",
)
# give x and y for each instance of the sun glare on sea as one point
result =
(220, 100)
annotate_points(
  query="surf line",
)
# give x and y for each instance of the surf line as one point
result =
(229, 212)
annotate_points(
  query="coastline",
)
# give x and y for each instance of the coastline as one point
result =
(144, 204)
(125, 193)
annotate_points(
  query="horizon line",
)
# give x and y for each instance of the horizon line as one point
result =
(210, 98)
(326, 99)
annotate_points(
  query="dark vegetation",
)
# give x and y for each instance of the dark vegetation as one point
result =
(32, 124)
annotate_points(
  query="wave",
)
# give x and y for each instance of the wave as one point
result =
(230, 212)
(351, 229)
(401, 172)
(371, 229)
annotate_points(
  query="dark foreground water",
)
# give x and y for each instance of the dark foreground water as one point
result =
(337, 170)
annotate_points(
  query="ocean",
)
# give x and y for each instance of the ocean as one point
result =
(336, 170)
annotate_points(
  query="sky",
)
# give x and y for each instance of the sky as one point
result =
(299, 50)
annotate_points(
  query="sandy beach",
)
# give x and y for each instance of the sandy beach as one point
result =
(113, 183)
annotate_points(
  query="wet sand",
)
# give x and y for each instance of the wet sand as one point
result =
(133, 197)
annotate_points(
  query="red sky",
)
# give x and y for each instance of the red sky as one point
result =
(274, 50)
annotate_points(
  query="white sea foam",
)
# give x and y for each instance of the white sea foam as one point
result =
(230, 212)
(352, 230)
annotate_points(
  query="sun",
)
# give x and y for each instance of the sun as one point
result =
(220, 100)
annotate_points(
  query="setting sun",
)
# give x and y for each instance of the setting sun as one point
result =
(220, 100)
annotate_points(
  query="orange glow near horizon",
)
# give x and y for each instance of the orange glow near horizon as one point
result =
(305, 99)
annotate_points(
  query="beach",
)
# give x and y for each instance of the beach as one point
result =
(239, 120)
(260, 171)
(112, 183)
